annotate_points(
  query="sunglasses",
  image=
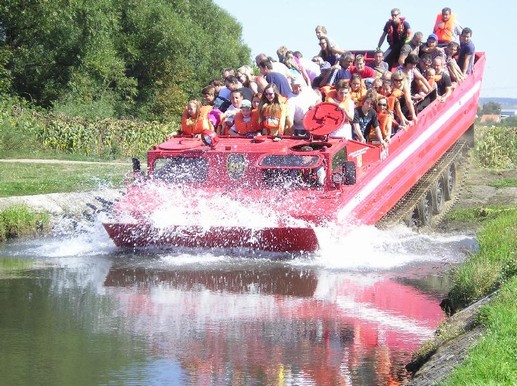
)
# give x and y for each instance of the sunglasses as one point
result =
(269, 93)
(397, 80)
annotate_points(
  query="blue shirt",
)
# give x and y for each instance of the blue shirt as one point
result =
(466, 49)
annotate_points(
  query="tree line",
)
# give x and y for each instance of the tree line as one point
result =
(115, 58)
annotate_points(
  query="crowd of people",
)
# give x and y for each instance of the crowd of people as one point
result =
(378, 94)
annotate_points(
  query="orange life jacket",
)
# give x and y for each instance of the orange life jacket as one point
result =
(328, 92)
(357, 96)
(385, 119)
(342, 104)
(251, 126)
(397, 93)
(444, 29)
(272, 120)
(401, 31)
(191, 126)
(392, 100)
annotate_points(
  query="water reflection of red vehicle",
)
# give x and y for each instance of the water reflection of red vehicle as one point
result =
(287, 325)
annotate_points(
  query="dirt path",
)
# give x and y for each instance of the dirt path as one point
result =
(478, 192)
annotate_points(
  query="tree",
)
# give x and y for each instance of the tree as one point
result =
(491, 108)
(115, 57)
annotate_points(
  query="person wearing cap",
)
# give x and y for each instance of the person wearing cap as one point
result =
(326, 77)
(298, 105)
(246, 121)
(446, 27)
(431, 47)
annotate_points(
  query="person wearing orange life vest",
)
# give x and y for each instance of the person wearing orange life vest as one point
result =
(357, 89)
(394, 105)
(195, 118)
(272, 113)
(398, 31)
(446, 27)
(385, 118)
(246, 121)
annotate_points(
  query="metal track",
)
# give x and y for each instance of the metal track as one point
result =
(404, 208)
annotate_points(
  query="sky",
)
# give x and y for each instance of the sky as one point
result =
(357, 25)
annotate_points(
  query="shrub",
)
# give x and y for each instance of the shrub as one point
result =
(496, 147)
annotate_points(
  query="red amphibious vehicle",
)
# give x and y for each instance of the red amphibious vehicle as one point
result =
(259, 193)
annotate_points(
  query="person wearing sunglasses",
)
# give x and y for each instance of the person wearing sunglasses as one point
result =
(272, 112)
(397, 30)
(385, 118)
(402, 91)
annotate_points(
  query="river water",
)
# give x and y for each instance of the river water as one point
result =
(75, 310)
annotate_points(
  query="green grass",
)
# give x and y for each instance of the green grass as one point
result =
(484, 271)
(19, 179)
(477, 216)
(504, 183)
(493, 360)
(19, 220)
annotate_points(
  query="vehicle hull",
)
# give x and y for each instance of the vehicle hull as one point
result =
(266, 239)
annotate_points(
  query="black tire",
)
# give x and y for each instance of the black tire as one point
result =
(450, 181)
(438, 192)
(424, 210)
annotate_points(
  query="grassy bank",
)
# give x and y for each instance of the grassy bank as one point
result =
(20, 220)
(492, 361)
(493, 267)
(491, 270)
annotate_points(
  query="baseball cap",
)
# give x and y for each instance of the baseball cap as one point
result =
(246, 103)
(325, 66)
(296, 80)
(432, 36)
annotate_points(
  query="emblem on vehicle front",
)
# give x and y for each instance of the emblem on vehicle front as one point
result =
(235, 165)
